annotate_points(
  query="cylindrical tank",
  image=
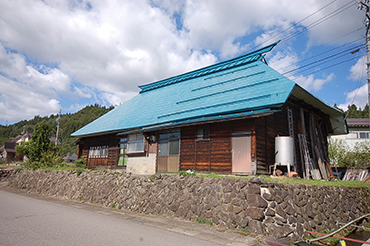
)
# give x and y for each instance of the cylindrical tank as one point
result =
(284, 150)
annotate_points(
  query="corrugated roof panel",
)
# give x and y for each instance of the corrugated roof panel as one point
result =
(240, 89)
(238, 61)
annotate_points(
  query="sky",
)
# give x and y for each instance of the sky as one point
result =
(60, 54)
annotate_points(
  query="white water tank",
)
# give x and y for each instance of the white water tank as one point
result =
(284, 150)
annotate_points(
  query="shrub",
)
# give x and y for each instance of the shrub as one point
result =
(343, 156)
(81, 162)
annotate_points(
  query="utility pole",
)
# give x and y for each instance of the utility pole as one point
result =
(364, 4)
(58, 120)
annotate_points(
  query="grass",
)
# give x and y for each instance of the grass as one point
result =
(244, 230)
(202, 220)
(187, 173)
(286, 180)
(5, 164)
(283, 180)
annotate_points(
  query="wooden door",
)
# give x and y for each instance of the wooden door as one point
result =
(168, 152)
(241, 152)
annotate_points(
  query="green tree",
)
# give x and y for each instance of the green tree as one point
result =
(40, 142)
(23, 149)
(354, 112)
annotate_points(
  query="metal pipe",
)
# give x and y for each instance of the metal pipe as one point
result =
(309, 241)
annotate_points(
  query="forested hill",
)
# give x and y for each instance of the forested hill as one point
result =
(69, 123)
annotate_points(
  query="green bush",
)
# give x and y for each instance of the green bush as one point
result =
(81, 162)
(343, 156)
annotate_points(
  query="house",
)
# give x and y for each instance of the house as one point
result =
(7, 151)
(359, 132)
(221, 118)
(70, 158)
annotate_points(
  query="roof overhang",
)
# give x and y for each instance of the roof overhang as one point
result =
(203, 120)
(337, 117)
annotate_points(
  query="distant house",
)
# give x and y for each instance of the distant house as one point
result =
(70, 158)
(222, 118)
(359, 132)
(7, 151)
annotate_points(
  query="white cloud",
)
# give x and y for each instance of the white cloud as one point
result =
(83, 92)
(359, 97)
(27, 90)
(358, 71)
(24, 102)
(284, 61)
(102, 50)
(115, 99)
(311, 83)
(287, 62)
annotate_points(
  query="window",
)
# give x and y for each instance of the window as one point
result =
(98, 152)
(169, 143)
(359, 135)
(203, 133)
(135, 143)
(122, 159)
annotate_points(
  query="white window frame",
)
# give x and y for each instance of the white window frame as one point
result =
(98, 152)
(135, 143)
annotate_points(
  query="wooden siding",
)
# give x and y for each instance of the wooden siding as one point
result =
(214, 154)
(269, 127)
(111, 140)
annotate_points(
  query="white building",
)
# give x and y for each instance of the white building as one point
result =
(359, 132)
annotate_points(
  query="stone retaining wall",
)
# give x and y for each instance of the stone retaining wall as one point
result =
(284, 211)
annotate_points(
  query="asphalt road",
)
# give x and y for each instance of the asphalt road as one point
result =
(27, 219)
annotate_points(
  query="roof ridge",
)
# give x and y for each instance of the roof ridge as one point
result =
(235, 62)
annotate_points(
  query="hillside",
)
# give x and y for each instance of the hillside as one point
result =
(68, 124)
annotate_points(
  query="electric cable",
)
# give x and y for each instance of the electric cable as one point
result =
(319, 21)
(322, 53)
(333, 65)
(295, 24)
(325, 59)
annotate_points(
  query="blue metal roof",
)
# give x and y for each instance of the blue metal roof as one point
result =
(229, 89)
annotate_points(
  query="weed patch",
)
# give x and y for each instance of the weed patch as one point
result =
(202, 220)
(187, 173)
(244, 230)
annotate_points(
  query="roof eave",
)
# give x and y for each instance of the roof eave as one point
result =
(337, 118)
(203, 120)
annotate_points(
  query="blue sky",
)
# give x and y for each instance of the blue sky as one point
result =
(59, 54)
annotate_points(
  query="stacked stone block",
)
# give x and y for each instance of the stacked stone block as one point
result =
(280, 210)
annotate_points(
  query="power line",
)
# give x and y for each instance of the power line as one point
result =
(322, 53)
(325, 59)
(319, 21)
(295, 24)
(333, 65)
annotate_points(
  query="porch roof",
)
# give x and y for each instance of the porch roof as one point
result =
(234, 88)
